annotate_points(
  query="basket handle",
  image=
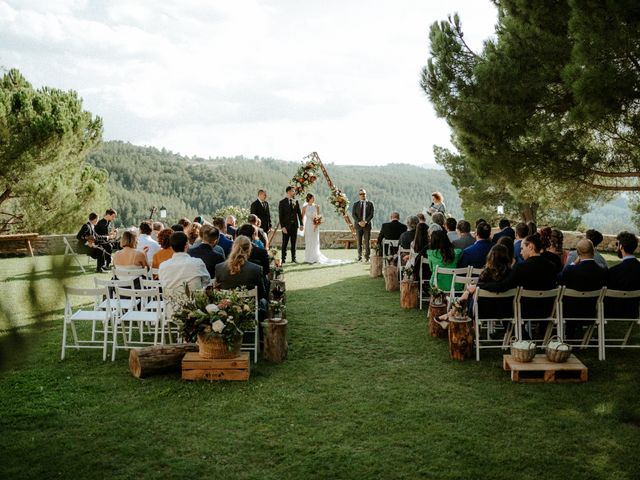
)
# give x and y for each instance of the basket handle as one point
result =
(560, 343)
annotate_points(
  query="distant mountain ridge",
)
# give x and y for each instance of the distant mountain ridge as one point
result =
(140, 177)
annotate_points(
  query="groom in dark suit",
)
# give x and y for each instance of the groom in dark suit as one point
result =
(362, 213)
(290, 220)
(260, 208)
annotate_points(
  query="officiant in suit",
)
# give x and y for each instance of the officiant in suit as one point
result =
(362, 213)
(260, 208)
(290, 221)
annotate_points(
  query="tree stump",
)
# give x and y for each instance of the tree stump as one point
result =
(391, 280)
(158, 359)
(460, 338)
(433, 322)
(376, 266)
(408, 294)
(275, 341)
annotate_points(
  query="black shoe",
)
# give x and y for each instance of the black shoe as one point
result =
(294, 260)
(99, 270)
(359, 259)
(106, 268)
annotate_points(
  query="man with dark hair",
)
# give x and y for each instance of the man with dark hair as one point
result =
(505, 231)
(106, 235)
(262, 235)
(290, 220)
(391, 231)
(260, 208)
(177, 227)
(476, 254)
(596, 239)
(362, 213)
(88, 243)
(147, 244)
(624, 276)
(464, 239)
(223, 240)
(185, 222)
(522, 232)
(479, 221)
(205, 250)
(450, 225)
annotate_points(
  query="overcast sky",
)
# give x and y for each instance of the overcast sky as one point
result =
(277, 78)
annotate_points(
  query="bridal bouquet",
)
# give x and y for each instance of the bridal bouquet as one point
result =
(317, 220)
(222, 313)
(305, 176)
(339, 200)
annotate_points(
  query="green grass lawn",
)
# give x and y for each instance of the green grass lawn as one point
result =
(365, 393)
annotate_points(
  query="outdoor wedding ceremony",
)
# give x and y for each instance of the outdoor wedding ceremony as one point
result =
(283, 240)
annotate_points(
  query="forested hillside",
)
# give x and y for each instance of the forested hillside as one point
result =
(140, 177)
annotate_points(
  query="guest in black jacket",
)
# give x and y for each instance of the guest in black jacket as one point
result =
(624, 276)
(204, 251)
(391, 231)
(260, 208)
(259, 256)
(584, 275)
(88, 243)
(505, 231)
(535, 273)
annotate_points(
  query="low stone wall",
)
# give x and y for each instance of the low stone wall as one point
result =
(54, 244)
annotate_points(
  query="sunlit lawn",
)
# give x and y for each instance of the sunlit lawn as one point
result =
(365, 393)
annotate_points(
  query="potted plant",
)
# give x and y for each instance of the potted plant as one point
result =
(407, 274)
(277, 309)
(277, 272)
(438, 297)
(216, 319)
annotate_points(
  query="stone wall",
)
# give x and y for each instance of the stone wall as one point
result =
(54, 244)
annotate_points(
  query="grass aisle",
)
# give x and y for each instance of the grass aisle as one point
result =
(365, 394)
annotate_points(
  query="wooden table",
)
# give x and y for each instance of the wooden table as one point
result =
(16, 237)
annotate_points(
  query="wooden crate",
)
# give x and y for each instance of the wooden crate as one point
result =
(195, 367)
(542, 370)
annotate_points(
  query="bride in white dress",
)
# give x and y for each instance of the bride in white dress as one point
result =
(312, 254)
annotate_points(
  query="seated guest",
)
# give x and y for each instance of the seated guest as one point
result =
(552, 246)
(596, 239)
(231, 225)
(156, 228)
(442, 254)
(147, 244)
(533, 229)
(437, 222)
(505, 231)
(419, 248)
(584, 275)
(421, 218)
(522, 232)
(87, 243)
(450, 226)
(476, 254)
(465, 239)
(205, 249)
(391, 231)
(185, 222)
(198, 219)
(508, 243)
(177, 227)
(106, 234)
(129, 256)
(536, 273)
(407, 237)
(165, 252)
(181, 272)
(193, 234)
(479, 221)
(238, 271)
(215, 236)
(224, 240)
(624, 276)
(259, 255)
(262, 235)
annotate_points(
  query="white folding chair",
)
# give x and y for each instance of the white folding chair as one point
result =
(386, 250)
(490, 323)
(71, 318)
(462, 282)
(140, 317)
(111, 302)
(595, 319)
(552, 295)
(462, 272)
(609, 298)
(402, 265)
(167, 326)
(69, 251)
(124, 273)
(252, 346)
(475, 272)
(422, 280)
(155, 273)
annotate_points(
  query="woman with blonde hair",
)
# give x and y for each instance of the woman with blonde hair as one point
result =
(238, 271)
(129, 257)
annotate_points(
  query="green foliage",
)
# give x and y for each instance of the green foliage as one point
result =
(45, 185)
(241, 213)
(140, 177)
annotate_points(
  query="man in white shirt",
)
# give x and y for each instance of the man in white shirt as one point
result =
(181, 271)
(146, 243)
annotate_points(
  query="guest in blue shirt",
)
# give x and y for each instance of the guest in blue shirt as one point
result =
(224, 240)
(476, 254)
(522, 232)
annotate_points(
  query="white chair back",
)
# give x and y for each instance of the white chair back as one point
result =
(490, 322)
(552, 318)
(609, 298)
(94, 316)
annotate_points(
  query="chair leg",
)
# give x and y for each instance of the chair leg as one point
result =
(104, 344)
(75, 335)
(477, 328)
(115, 341)
(64, 339)
(628, 335)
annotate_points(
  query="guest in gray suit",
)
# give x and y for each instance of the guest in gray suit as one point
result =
(362, 213)
(238, 271)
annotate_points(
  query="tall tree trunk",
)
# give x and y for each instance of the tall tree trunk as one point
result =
(529, 212)
(5, 195)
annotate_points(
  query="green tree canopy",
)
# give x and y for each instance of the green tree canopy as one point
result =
(44, 138)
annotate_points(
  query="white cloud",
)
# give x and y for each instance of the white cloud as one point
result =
(274, 78)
